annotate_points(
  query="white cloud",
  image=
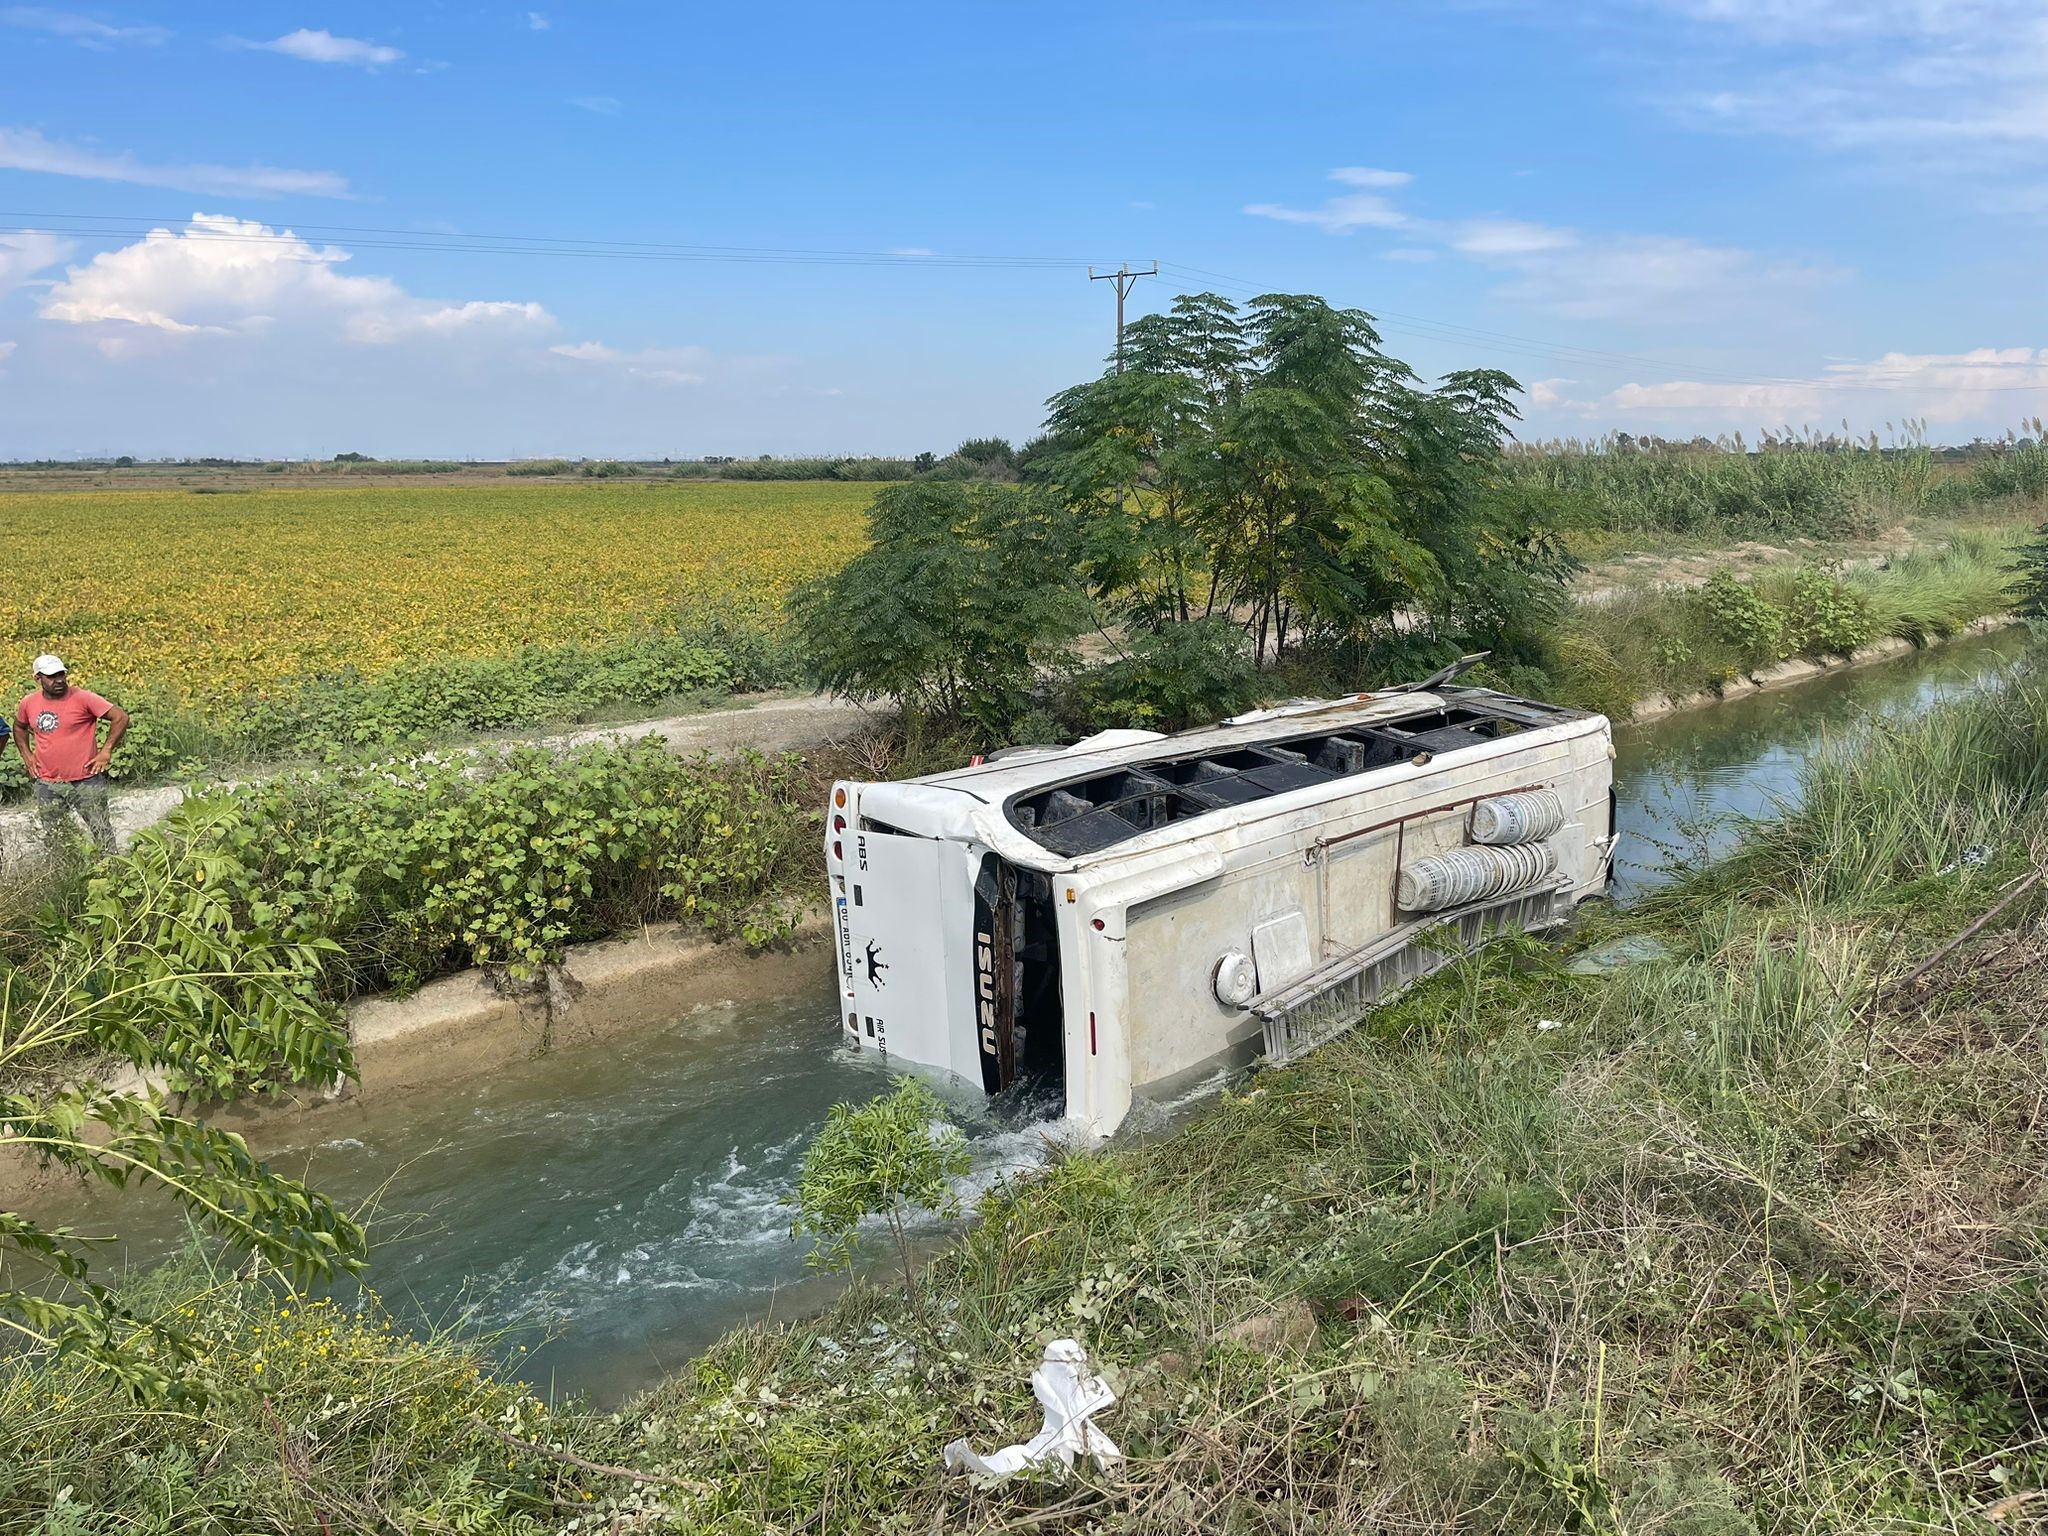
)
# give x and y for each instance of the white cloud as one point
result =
(24, 149)
(535, 22)
(1643, 277)
(1989, 384)
(911, 250)
(603, 106)
(382, 326)
(1509, 237)
(656, 365)
(1569, 273)
(1366, 176)
(223, 276)
(25, 254)
(1353, 211)
(7, 350)
(1338, 216)
(1948, 84)
(317, 46)
(82, 30)
(222, 335)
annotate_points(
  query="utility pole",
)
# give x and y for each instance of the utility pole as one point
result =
(1124, 278)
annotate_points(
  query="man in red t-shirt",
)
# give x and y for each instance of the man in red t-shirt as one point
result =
(56, 731)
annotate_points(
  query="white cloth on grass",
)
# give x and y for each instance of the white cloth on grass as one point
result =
(1070, 1400)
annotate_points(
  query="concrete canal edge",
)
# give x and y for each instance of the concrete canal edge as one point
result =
(472, 1023)
(1787, 674)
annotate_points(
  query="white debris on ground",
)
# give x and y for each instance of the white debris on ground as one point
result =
(1070, 1399)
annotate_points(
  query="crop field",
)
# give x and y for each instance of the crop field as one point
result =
(213, 597)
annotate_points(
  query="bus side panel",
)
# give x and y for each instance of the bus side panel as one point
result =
(906, 965)
(1332, 869)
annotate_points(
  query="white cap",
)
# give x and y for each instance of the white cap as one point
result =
(45, 665)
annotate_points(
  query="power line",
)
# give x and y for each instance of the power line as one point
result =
(130, 228)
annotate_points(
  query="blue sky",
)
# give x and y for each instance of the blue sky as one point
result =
(1661, 215)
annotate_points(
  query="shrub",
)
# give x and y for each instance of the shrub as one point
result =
(1824, 616)
(1744, 617)
(415, 866)
(321, 1416)
(1175, 676)
(2030, 577)
(966, 592)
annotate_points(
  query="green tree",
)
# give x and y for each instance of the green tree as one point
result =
(965, 593)
(1132, 452)
(1496, 547)
(887, 1158)
(1176, 675)
(158, 972)
(1274, 465)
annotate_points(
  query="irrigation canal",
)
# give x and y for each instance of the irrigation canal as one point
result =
(615, 1210)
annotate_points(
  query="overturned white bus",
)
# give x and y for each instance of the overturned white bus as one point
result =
(1119, 913)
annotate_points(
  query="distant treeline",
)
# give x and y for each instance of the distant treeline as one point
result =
(979, 458)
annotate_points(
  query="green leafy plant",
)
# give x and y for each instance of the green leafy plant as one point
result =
(1744, 617)
(1824, 616)
(1176, 675)
(886, 1158)
(2030, 577)
(159, 973)
(1271, 466)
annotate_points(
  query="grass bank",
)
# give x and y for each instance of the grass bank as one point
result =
(1644, 641)
(1746, 1238)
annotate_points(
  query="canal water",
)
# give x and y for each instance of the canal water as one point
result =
(613, 1209)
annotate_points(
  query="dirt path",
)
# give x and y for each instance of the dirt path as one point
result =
(771, 724)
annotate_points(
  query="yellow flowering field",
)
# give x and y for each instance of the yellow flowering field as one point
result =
(211, 597)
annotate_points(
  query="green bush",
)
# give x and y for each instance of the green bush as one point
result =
(415, 866)
(320, 1417)
(1823, 615)
(541, 467)
(1175, 676)
(1744, 617)
(966, 593)
(2030, 576)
